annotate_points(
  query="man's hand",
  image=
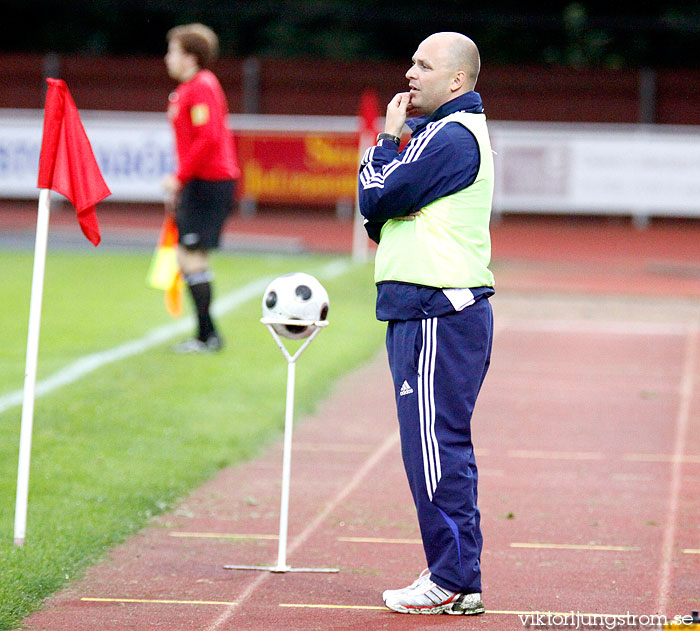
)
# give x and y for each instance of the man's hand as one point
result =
(396, 114)
(172, 187)
(410, 217)
(171, 184)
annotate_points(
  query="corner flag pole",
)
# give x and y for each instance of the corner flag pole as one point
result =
(25, 441)
(67, 165)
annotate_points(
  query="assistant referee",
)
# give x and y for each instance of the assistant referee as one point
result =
(202, 189)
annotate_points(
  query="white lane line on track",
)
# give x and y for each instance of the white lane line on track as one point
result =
(689, 458)
(223, 535)
(89, 363)
(612, 327)
(574, 546)
(686, 395)
(535, 454)
(150, 601)
(376, 457)
(333, 447)
(379, 540)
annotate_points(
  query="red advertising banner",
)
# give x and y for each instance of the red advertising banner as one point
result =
(304, 167)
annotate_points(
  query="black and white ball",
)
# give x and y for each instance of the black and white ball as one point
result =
(296, 296)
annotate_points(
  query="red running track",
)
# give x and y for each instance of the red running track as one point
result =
(589, 495)
(586, 435)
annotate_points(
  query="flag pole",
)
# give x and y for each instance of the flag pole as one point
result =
(25, 441)
(67, 165)
(360, 246)
(367, 121)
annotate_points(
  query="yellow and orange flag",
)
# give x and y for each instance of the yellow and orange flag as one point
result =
(164, 272)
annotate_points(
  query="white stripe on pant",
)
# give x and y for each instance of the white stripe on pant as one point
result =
(426, 405)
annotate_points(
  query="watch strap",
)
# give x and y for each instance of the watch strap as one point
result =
(385, 136)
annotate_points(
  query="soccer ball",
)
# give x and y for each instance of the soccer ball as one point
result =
(295, 296)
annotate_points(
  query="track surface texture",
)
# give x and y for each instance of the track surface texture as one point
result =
(587, 442)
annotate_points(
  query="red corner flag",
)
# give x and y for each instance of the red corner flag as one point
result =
(369, 113)
(67, 164)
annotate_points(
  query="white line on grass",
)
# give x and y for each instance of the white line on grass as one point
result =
(89, 363)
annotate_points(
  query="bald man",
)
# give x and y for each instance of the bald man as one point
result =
(428, 207)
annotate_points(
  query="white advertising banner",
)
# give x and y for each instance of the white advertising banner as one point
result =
(134, 152)
(599, 169)
(643, 170)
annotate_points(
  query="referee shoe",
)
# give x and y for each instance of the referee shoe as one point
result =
(195, 345)
(425, 597)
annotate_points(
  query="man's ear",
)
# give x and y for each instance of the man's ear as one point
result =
(458, 81)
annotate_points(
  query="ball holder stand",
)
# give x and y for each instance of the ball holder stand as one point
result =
(282, 565)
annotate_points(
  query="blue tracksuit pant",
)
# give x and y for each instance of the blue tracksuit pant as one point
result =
(438, 365)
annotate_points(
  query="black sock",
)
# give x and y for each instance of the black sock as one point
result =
(200, 289)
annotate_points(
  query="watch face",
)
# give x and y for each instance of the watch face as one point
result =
(173, 105)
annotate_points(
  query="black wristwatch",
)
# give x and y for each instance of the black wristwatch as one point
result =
(384, 136)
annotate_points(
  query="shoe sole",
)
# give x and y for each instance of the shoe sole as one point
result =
(452, 609)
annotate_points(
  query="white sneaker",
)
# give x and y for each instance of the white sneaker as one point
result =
(394, 593)
(424, 596)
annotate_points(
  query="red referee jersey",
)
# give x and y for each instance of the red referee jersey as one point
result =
(204, 144)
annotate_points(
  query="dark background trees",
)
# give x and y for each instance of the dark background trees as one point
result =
(583, 33)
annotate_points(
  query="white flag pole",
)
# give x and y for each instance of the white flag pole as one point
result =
(25, 441)
(360, 246)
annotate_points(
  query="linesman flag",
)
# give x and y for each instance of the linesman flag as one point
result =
(164, 272)
(67, 164)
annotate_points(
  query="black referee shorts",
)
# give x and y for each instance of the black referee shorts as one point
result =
(201, 211)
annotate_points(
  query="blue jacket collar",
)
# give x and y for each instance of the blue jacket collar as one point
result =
(469, 102)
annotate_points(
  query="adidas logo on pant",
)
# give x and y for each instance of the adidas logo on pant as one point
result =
(405, 389)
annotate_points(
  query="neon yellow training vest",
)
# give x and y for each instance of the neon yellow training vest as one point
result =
(448, 244)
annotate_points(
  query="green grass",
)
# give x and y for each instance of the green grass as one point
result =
(131, 439)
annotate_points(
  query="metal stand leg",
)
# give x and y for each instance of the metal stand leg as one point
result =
(286, 463)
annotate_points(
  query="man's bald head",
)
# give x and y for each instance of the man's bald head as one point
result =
(461, 53)
(445, 66)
